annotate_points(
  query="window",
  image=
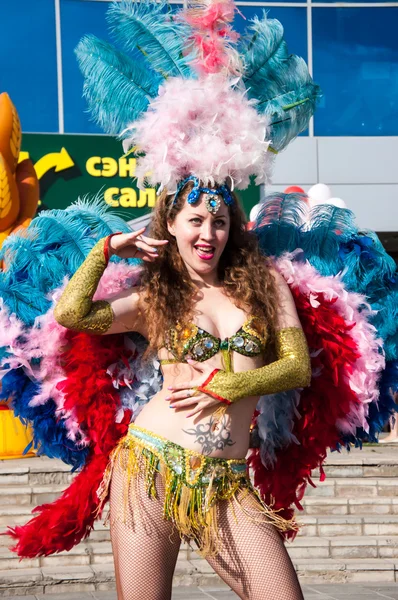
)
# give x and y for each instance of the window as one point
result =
(294, 21)
(354, 49)
(28, 62)
(356, 64)
(79, 18)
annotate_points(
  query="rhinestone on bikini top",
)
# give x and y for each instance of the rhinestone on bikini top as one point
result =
(190, 340)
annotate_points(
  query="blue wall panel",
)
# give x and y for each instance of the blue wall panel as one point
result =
(293, 19)
(28, 65)
(355, 55)
(79, 18)
(356, 64)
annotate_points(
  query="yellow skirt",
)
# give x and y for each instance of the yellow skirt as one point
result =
(194, 483)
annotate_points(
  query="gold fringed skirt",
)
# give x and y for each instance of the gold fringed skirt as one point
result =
(194, 483)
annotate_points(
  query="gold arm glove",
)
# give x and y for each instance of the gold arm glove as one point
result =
(291, 370)
(75, 309)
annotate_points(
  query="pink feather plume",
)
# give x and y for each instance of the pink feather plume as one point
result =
(201, 126)
(213, 37)
(363, 379)
(46, 341)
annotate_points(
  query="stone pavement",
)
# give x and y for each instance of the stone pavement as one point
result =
(346, 591)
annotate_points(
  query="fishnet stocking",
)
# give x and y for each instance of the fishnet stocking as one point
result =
(253, 560)
(145, 546)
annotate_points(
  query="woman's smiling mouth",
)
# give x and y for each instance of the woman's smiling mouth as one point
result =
(205, 252)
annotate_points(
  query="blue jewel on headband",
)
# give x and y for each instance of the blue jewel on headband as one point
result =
(213, 195)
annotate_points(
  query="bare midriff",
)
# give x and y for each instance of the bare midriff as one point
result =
(227, 437)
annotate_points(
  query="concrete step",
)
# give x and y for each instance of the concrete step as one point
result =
(354, 487)
(34, 471)
(378, 505)
(320, 523)
(19, 512)
(357, 466)
(20, 495)
(346, 570)
(347, 525)
(337, 548)
(344, 547)
(354, 492)
(89, 578)
(372, 462)
(88, 553)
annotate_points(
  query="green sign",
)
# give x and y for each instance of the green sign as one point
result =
(73, 166)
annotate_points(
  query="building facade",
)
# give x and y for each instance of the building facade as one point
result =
(352, 52)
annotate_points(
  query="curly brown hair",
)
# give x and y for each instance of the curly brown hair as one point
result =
(167, 288)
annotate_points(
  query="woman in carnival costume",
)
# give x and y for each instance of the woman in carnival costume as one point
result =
(210, 331)
(168, 446)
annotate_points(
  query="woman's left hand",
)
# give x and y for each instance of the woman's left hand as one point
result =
(186, 394)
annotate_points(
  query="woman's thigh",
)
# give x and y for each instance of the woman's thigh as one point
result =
(145, 546)
(253, 559)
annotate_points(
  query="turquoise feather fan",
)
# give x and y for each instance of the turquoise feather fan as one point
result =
(54, 246)
(160, 46)
(279, 223)
(117, 88)
(146, 26)
(330, 226)
(279, 82)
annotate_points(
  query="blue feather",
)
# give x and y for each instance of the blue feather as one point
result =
(279, 82)
(97, 216)
(116, 87)
(50, 434)
(380, 412)
(367, 263)
(330, 226)
(369, 270)
(279, 222)
(145, 26)
(54, 246)
(21, 299)
(37, 260)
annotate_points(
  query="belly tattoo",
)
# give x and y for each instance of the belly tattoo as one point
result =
(213, 435)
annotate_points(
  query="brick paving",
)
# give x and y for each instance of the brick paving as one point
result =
(311, 592)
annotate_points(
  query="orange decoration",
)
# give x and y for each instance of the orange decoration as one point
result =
(9, 197)
(195, 462)
(10, 132)
(29, 191)
(19, 197)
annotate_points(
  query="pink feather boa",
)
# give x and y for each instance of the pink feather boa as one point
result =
(212, 36)
(363, 377)
(201, 126)
(46, 341)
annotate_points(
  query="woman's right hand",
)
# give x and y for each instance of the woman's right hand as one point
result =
(135, 245)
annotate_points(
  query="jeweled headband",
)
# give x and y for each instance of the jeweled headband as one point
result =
(213, 195)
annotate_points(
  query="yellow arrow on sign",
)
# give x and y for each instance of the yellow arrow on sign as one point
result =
(58, 160)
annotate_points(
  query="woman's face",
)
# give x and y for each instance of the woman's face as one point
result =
(201, 236)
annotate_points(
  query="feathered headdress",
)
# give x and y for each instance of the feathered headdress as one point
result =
(193, 98)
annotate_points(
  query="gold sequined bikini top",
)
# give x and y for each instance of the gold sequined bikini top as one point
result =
(191, 341)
